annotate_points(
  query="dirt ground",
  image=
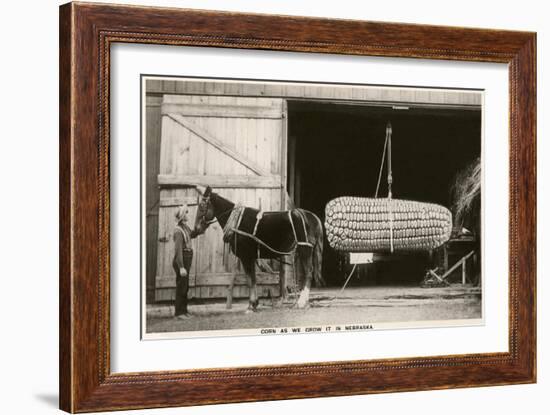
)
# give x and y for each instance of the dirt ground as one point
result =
(353, 306)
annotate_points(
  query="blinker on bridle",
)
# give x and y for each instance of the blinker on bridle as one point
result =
(204, 207)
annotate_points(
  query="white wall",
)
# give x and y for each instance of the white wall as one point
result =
(28, 211)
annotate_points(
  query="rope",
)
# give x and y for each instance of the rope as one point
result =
(387, 146)
(345, 284)
(381, 165)
(306, 242)
(347, 280)
(258, 219)
(259, 241)
(292, 225)
(231, 228)
(390, 181)
(391, 223)
(390, 172)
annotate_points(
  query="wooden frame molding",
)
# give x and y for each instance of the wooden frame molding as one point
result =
(86, 33)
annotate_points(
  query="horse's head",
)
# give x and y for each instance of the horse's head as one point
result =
(205, 212)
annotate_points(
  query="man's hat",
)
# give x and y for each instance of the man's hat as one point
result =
(181, 212)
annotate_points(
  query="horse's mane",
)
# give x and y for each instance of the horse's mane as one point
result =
(223, 203)
(222, 207)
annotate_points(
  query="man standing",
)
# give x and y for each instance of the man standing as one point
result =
(183, 256)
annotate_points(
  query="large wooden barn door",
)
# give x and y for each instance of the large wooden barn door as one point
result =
(237, 145)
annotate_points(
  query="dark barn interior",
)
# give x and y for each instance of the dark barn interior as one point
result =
(335, 149)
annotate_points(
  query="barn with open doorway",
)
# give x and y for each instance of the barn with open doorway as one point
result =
(274, 145)
(336, 149)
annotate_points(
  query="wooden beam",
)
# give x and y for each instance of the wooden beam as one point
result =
(219, 181)
(223, 279)
(222, 111)
(153, 101)
(206, 136)
(433, 274)
(218, 292)
(455, 266)
(324, 92)
(177, 201)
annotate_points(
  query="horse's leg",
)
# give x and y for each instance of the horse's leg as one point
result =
(305, 257)
(229, 298)
(250, 270)
(317, 261)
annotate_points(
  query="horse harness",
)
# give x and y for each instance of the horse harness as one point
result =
(232, 228)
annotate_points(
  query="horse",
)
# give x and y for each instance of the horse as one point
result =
(252, 234)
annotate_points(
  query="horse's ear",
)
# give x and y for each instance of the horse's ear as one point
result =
(201, 189)
(208, 191)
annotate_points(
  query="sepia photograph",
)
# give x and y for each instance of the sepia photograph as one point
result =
(275, 207)
(258, 205)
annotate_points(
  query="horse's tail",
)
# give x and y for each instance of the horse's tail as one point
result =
(313, 227)
(317, 258)
(318, 263)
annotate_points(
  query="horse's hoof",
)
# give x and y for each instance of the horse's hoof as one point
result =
(303, 299)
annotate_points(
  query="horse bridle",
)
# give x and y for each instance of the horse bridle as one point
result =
(203, 206)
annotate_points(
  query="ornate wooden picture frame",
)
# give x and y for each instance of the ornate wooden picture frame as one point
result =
(87, 32)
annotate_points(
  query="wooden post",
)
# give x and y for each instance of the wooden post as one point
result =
(284, 156)
(456, 265)
(463, 271)
(291, 168)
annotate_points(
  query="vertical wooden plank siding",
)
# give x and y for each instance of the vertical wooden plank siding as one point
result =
(251, 129)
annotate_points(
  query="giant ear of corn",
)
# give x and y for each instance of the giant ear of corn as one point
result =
(360, 224)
